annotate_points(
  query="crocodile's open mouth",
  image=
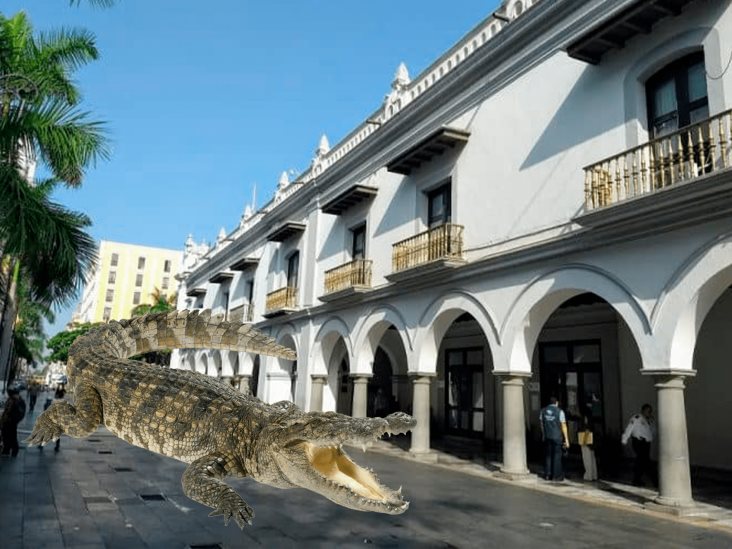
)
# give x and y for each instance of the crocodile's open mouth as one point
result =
(350, 484)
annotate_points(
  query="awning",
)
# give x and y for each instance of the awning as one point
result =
(430, 147)
(639, 18)
(349, 198)
(221, 276)
(285, 231)
(244, 263)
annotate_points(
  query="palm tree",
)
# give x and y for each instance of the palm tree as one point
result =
(160, 304)
(40, 125)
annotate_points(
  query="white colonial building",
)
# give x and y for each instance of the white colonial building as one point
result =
(544, 210)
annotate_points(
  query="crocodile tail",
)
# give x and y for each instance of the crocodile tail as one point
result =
(180, 330)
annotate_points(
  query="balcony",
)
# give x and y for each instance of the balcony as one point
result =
(692, 153)
(433, 250)
(348, 279)
(281, 302)
(243, 313)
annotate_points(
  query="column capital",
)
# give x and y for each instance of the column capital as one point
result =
(669, 379)
(421, 377)
(319, 378)
(360, 378)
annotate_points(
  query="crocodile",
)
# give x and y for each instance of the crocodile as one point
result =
(204, 422)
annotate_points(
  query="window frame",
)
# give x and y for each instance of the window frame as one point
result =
(114, 261)
(293, 258)
(444, 189)
(678, 72)
(138, 280)
(141, 262)
(359, 229)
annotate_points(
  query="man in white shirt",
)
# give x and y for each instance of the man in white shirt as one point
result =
(640, 431)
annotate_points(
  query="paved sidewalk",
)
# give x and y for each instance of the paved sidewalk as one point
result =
(603, 492)
(89, 495)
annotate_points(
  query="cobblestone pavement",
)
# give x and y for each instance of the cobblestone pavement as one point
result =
(89, 495)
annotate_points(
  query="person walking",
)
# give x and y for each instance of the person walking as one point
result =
(13, 413)
(32, 393)
(586, 441)
(640, 432)
(554, 433)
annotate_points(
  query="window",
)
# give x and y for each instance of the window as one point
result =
(115, 260)
(293, 268)
(140, 262)
(138, 280)
(677, 95)
(112, 277)
(166, 282)
(110, 295)
(439, 206)
(358, 247)
(136, 298)
(250, 290)
(166, 266)
(107, 314)
(225, 304)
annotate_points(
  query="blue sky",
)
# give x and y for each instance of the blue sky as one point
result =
(205, 99)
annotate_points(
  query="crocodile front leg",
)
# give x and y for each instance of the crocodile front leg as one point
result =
(78, 420)
(202, 483)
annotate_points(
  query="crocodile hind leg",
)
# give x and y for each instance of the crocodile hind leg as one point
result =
(78, 420)
(202, 483)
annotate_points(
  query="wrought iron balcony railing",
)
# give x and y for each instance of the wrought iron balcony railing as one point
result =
(684, 155)
(442, 242)
(356, 273)
(284, 298)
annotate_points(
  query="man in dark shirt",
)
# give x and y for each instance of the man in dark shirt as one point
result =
(12, 415)
(554, 433)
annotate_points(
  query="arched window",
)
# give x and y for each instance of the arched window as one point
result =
(677, 95)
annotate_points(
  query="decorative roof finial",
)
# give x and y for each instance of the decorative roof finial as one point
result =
(222, 236)
(401, 77)
(283, 182)
(323, 146)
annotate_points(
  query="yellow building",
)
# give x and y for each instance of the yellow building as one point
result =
(126, 276)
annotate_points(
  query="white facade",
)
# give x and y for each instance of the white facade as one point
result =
(524, 117)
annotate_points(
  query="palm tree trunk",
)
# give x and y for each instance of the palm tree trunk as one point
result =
(8, 324)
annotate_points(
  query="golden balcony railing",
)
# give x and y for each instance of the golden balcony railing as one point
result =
(284, 298)
(442, 242)
(349, 275)
(684, 155)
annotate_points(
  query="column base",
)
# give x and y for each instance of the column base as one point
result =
(427, 456)
(505, 474)
(672, 507)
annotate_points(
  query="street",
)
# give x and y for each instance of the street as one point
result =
(89, 495)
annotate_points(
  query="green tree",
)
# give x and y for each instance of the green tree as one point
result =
(40, 126)
(59, 344)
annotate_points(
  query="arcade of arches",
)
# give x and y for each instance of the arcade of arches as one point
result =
(584, 352)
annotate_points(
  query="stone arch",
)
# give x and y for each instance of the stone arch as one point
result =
(229, 363)
(217, 364)
(325, 341)
(687, 299)
(370, 333)
(541, 297)
(437, 318)
(202, 363)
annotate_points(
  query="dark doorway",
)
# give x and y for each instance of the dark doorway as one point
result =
(572, 371)
(464, 399)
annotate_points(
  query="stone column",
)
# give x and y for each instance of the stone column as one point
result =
(316, 392)
(674, 476)
(514, 425)
(244, 384)
(421, 412)
(360, 394)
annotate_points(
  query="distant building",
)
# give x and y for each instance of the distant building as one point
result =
(125, 277)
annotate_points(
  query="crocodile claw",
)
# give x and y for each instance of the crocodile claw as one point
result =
(234, 508)
(45, 431)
